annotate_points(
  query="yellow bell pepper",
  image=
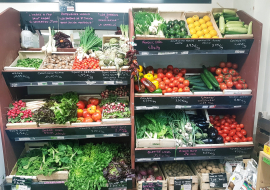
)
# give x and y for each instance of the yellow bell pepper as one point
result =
(140, 69)
(156, 83)
(155, 75)
(149, 76)
(140, 77)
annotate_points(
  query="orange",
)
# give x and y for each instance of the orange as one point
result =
(213, 33)
(206, 18)
(197, 28)
(195, 17)
(209, 23)
(190, 20)
(205, 31)
(201, 21)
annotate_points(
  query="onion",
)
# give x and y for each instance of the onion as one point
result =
(150, 171)
(159, 178)
(155, 168)
(143, 172)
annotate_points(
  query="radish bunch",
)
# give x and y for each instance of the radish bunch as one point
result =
(118, 91)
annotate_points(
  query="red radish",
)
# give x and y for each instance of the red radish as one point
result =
(159, 178)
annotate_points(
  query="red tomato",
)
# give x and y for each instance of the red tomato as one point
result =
(164, 91)
(222, 64)
(218, 128)
(235, 83)
(176, 83)
(86, 114)
(239, 134)
(176, 71)
(181, 85)
(169, 67)
(222, 126)
(167, 82)
(219, 80)
(228, 138)
(238, 86)
(241, 126)
(211, 117)
(216, 118)
(225, 70)
(186, 82)
(244, 86)
(159, 70)
(186, 89)
(224, 135)
(213, 69)
(227, 128)
(171, 85)
(176, 77)
(172, 79)
(243, 132)
(232, 72)
(158, 79)
(88, 119)
(226, 131)
(238, 129)
(249, 139)
(175, 89)
(244, 139)
(232, 141)
(242, 81)
(164, 78)
(169, 90)
(236, 138)
(232, 133)
(218, 71)
(183, 71)
(233, 116)
(220, 76)
(180, 90)
(162, 85)
(160, 75)
(229, 64)
(218, 124)
(180, 74)
(233, 126)
(169, 75)
(239, 77)
(181, 79)
(96, 116)
(170, 71)
(220, 132)
(234, 66)
(223, 86)
(165, 71)
(225, 141)
(229, 84)
(216, 77)
(222, 121)
(226, 124)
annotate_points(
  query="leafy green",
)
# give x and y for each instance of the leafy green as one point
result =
(29, 62)
(89, 40)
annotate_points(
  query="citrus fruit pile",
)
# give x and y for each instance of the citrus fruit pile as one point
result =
(201, 27)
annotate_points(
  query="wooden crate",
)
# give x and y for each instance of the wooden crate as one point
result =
(201, 14)
(233, 36)
(204, 179)
(170, 180)
(263, 174)
(159, 173)
(60, 175)
(62, 54)
(262, 134)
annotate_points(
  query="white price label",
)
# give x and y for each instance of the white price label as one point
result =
(108, 135)
(21, 187)
(24, 139)
(212, 184)
(90, 136)
(42, 83)
(184, 52)
(108, 82)
(60, 137)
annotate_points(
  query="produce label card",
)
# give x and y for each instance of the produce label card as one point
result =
(218, 180)
(152, 186)
(182, 184)
(19, 183)
(121, 185)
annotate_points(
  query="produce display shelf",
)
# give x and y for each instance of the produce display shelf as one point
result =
(60, 185)
(163, 46)
(146, 102)
(59, 78)
(69, 132)
(203, 152)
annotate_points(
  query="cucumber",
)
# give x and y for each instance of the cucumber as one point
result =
(208, 84)
(222, 24)
(235, 22)
(229, 32)
(246, 26)
(250, 28)
(229, 12)
(196, 80)
(200, 88)
(197, 84)
(210, 77)
(234, 25)
(231, 19)
(239, 30)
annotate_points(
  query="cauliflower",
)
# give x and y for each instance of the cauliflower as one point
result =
(113, 41)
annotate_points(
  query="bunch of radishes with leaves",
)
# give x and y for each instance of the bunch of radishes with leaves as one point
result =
(147, 172)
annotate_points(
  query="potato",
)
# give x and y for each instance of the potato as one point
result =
(200, 166)
(203, 170)
(231, 185)
(209, 168)
(207, 171)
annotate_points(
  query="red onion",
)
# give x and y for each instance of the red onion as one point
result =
(159, 178)
(143, 171)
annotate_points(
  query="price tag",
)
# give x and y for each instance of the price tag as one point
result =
(24, 139)
(90, 136)
(218, 180)
(152, 185)
(121, 185)
(182, 184)
(108, 82)
(42, 83)
(19, 183)
(58, 83)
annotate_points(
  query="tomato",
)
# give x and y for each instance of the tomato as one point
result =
(229, 64)
(186, 89)
(242, 81)
(169, 75)
(249, 139)
(228, 138)
(186, 82)
(171, 85)
(159, 70)
(226, 124)
(224, 135)
(222, 126)
(244, 86)
(218, 124)
(180, 74)
(164, 78)
(213, 69)
(162, 85)
(169, 90)
(170, 71)
(232, 72)
(180, 90)
(236, 138)
(227, 128)
(165, 71)
(234, 66)
(96, 116)
(220, 80)
(220, 76)
(176, 71)
(218, 71)
(241, 126)
(176, 83)
(167, 82)
(244, 139)
(238, 129)
(216, 118)
(218, 128)
(88, 119)
(225, 141)
(226, 131)
(80, 105)
(235, 83)
(79, 113)
(181, 79)
(225, 70)
(243, 132)
(181, 85)
(169, 67)
(175, 89)
(164, 91)
(220, 132)
(160, 75)
(93, 101)
(233, 116)
(183, 71)
(229, 84)
(223, 86)
(232, 141)
(222, 64)
(232, 133)
(239, 134)
(211, 117)
(166, 87)
(239, 77)
(172, 79)
(233, 126)
(176, 77)
(216, 77)
(238, 86)
(86, 114)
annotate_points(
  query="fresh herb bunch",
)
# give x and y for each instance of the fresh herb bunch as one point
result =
(29, 62)
(89, 40)
(44, 114)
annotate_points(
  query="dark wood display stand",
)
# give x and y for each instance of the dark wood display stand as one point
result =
(247, 57)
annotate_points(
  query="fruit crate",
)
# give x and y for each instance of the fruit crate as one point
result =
(59, 176)
(24, 55)
(204, 178)
(170, 179)
(202, 14)
(140, 184)
(230, 36)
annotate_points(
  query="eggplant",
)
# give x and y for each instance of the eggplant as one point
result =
(202, 125)
(213, 135)
(219, 139)
(208, 141)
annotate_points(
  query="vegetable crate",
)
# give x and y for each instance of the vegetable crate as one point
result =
(60, 175)
(263, 175)
(24, 55)
(236, 36)
(204, 177)
(159, 173)
(63, 62)
(202, 14)
(186, 173)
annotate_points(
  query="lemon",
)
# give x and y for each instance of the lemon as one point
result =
(191, 26)
(195, 17)
(190, 20)
(207, 36)
(193, 31)
(201, 21)
(204, 26)
(209, 23)
(213, 33)
(201, 37)
(197, 28)
(210, 28)
(205, 31)
(215, 37)
(200, 33)
(194, 36)
(196, 23)
(206, 18)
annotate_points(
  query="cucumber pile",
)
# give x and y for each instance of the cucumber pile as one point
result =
(203, 82)
(229, 23)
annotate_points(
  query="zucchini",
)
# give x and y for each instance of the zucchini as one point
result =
(229, 12)
(210, 77)
(231, 19)
(195, 80)
(197, 84)
(222, 24)
(208, 84)
(235, 22)
(250, 28)
(200, 88)
(246, 26)
(239, 30)
(229, 32)
(234, 25)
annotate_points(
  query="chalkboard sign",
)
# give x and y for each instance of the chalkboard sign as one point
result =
(152, 186)
(218, 180)
(184, 46)
(121, 185)
(74, 20)
(182, 184)
(43, 78)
